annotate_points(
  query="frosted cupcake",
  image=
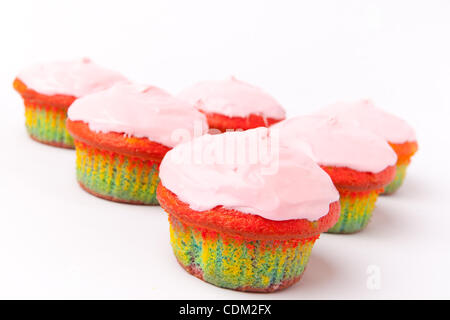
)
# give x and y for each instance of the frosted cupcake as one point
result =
(49, 89)
(359, 162)
(121, 135)
(394, 130)
(232, 104)
(237, 222)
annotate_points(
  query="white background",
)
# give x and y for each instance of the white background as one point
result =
(57, 241)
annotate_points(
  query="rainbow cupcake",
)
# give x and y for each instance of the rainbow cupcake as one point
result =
(394, 130)
(121, 135)
(235, 221)
(234, 105)
(49, 89)
(360, 163)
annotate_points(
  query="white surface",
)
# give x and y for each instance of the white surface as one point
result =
(57, 241)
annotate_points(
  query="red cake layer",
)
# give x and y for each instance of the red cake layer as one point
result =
(243, 224)
(404, 151)
(36, 98)
(117, 142)
(349, 179)
(222, 122)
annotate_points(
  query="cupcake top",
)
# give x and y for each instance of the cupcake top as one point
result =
(228, 170)
(232, 98)
(365, 114)
(75, 78)
(336, 143)
(139, 111)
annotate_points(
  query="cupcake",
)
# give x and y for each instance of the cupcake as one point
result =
(244, 222)
(234, 105)
(394, 130)
(359, 162)
(121, 135)
(49, 89)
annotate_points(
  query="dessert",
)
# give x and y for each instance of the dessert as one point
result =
(121, 135)
(236, 221)
(49, 89)
(394, 130)
(359, 162)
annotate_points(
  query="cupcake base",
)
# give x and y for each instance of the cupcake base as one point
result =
(400, 175)
(47, 125)
(356, 210)
(196, 272)
(99, 195)
(233, 262)
(116, 177)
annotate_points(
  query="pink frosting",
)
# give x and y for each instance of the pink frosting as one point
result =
(365, 114)
(208, 172)
(336, 143)
(232, 98)
(139, 111)
(76, 78)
